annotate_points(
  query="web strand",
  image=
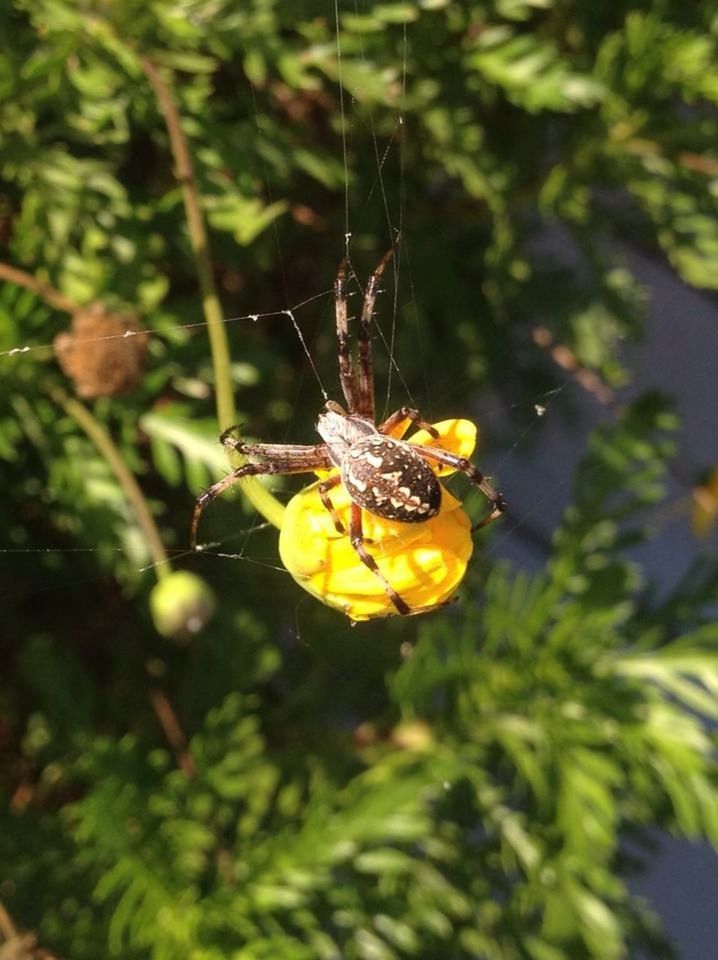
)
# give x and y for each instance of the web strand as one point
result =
(170, 331)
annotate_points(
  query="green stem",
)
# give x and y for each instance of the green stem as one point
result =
(260, 498)
(104, 443)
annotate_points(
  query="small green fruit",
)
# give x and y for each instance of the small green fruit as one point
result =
(181, 604)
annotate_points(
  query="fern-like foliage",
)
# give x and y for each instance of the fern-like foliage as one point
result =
(534, 731)
(585, 719)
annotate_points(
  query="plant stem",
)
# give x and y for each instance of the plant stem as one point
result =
(104, 443)
(260, 498)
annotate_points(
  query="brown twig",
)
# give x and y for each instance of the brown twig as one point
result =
(19, 945)
(699, 163)
(7, 925)
(168, 720)
(568, 361)
(45, 291)
(592, 383)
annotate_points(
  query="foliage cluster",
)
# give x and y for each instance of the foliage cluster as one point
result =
(282, 786)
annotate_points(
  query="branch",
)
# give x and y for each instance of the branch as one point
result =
(568, 361)
(165, 713)
(45, 291)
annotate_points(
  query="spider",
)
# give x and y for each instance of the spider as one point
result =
(385, 476)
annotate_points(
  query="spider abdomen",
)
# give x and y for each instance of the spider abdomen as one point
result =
(389, 479)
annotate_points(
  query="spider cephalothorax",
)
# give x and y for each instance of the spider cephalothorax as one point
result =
(383, 475)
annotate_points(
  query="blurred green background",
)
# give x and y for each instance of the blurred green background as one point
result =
(216, 766)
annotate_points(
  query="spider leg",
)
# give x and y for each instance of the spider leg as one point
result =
(346, 365)
(407, 413)
(365, 405)
(297, 452)
(294, 462)
(224, 437)
(323, 489)
(357, 540)
(496, 500)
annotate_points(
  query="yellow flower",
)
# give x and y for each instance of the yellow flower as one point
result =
(424, 562)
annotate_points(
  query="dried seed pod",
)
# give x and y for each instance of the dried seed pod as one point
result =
(103, 353)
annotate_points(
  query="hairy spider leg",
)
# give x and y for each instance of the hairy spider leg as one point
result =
(346, 364)
(358, 392)
(315, 455)
(366, 363)
(407, 413)
(461, 464)
(356, 535)
(289, 459)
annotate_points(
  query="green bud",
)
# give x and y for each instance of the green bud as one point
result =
(181, 604)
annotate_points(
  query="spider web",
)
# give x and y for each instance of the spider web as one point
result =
(389, 151)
